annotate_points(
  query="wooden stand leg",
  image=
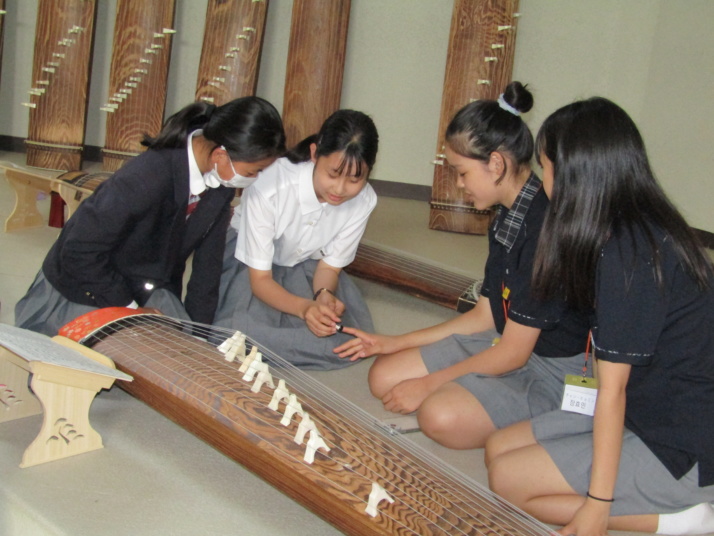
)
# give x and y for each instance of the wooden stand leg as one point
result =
(25, 213)
(65, 429)
(16, 400)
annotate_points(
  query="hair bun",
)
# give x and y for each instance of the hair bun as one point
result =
(518, 97)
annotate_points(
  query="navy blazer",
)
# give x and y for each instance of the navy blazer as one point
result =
(132, 231)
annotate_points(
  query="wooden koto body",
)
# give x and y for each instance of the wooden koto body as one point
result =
(188, 380)
(415, 277)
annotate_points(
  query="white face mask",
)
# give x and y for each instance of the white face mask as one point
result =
(213, 179)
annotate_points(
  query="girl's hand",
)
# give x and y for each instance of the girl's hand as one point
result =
(354, 349)
(407, 396)
(330, 300)
(365, 344)
(590, 520)
(321, 319)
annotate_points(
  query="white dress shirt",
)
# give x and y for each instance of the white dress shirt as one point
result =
(280, 220)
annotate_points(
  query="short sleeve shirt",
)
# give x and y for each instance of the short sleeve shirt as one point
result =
(666, 332)
(512, 243)
(281, 221)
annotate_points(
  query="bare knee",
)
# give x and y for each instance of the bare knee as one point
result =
(453, 418)
(390, 369)
(501, 479)
(380, 377)
(494, 447)
(437, 423)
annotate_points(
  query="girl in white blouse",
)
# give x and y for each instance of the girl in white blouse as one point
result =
(294, 231)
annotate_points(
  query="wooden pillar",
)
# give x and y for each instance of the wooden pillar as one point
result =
(479, 65)
(139, 72)
(232, 45)
(60, 83)
(316, 60)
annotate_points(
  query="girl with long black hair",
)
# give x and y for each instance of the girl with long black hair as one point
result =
(614, 246)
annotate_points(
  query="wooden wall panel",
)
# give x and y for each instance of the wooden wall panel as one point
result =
(316, 60)
(137, 87)
(60, 83)
(479, 65)
(232, 44)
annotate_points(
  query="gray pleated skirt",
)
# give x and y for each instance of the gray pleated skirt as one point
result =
(44, 310)
(519, 395)
(283, 334)
(643, 486)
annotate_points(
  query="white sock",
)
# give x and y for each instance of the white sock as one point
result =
(698, 519)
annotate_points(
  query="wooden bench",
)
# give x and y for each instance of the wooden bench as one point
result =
(72, 186)
(58, 378)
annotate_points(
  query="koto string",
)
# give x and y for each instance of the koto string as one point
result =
(133, 350)
(323, 389)
(339, 462)
(306, 380)
(302, 379)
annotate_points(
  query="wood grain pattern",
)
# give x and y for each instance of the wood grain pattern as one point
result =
(416, 278)
(190, 382)
(474, 70)
(138, 78)
(60, 83)
(316, 59)
(232, 45)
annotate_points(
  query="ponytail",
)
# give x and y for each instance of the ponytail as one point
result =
(249, 128)
(177, 127)
(348, 131)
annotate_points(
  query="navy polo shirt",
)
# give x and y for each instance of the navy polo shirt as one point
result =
(512, 243)
(666, 332)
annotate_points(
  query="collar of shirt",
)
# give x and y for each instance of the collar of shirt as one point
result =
(508, 227)
(197, 185)
(308, 199)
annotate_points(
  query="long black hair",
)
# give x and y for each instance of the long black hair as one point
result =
(348, 131)
(249, 128)
(483, 126)
(603, 185)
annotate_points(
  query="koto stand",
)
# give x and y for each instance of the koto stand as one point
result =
(65, 377)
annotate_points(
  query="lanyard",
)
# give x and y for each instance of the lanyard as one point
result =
(587, 353)
(505, 293)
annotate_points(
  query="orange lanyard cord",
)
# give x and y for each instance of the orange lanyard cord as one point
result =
(506, 302)
(587, 352)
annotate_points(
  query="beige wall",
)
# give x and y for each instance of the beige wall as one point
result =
(653, 57)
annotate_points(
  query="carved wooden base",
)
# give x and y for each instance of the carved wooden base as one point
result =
(73, 187)
(27, 185)
(62, 394)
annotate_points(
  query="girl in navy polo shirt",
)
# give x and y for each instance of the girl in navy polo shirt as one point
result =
(615, 245)
(294, 231)
(504, 361)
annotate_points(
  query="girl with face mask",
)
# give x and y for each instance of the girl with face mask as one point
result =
(294, 231)
(128, 243)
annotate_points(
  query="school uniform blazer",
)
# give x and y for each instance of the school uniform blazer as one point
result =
(132, 236)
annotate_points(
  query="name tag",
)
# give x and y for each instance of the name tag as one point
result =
(579, 395)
